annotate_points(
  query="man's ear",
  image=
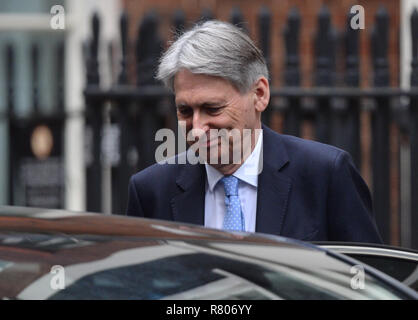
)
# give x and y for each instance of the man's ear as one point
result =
(261, 90)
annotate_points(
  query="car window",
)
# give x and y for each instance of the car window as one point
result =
(205, 276)
(401, 269)
(96, 267)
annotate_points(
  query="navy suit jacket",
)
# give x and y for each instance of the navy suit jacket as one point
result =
(306, 190)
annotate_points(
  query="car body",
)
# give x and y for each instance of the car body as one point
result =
(399, 263)
(56, 254)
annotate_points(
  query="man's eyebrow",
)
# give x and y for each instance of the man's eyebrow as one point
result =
(202, 105)
(181, 105)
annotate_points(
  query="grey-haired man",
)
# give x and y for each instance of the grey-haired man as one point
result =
(304, 190)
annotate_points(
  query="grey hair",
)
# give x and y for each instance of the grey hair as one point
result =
(214, 48)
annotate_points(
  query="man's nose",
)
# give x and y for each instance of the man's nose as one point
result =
(199, 126)
(199, 121)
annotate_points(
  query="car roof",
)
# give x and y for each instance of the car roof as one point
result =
(38, 220)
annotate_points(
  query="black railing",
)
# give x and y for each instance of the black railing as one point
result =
(334, 104)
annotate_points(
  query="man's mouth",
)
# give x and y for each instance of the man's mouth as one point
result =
(212, 142)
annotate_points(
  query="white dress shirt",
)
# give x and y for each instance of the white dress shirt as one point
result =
(247, 174)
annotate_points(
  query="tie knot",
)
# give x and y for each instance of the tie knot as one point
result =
(230, 185)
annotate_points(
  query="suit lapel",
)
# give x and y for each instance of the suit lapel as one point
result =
(273, 186)
(189, 205)
(272, 194)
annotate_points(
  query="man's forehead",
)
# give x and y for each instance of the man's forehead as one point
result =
(199, 101)
(186, 79)
(199, 89)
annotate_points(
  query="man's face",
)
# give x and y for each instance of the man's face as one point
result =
(207, 102)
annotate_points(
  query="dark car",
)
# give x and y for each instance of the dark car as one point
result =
(399, 263)
(53, 254)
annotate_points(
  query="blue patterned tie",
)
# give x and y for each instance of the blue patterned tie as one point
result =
(234, 219)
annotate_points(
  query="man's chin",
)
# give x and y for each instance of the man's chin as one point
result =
(216, 160)
(214, 155)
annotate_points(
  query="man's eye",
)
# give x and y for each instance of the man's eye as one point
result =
(184, 111)
(214, 110)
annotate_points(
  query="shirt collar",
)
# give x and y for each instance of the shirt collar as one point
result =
(247, 172)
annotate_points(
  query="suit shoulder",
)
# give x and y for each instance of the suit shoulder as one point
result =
(312, 157)
(160, 171)
(308, 149)
(156, 171)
